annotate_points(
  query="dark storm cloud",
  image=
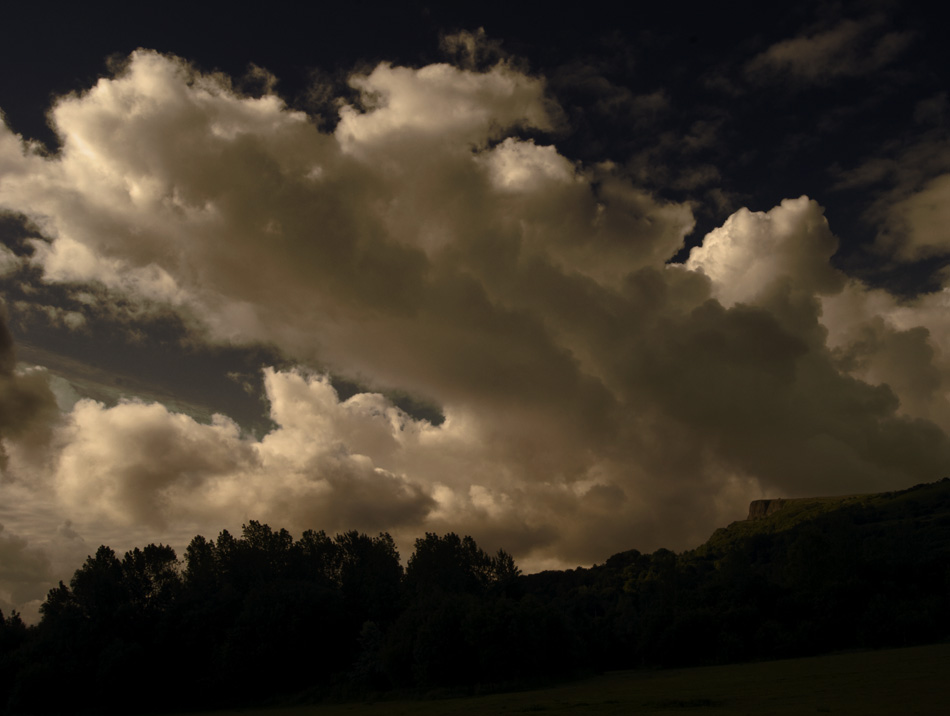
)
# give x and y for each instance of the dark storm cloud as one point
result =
(25, 572)
(27, 405)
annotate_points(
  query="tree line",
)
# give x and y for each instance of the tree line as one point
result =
(242, 620)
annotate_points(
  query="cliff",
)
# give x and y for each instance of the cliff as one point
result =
(760, 509)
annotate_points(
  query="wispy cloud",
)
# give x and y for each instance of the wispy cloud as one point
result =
(847, 49)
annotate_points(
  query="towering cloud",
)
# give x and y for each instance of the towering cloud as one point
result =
(596, 397)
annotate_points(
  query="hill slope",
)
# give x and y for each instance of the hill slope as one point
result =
(923, 509)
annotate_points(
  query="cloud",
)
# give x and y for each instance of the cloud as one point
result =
(303, 473)
(472, 50)
(25, 574)
(73, 320)
(589, 81)
(849, 48)
(909, 180)
(441, 102)
(436, 242)
(753, 251)
(9, 261)
(903, 344)
(27, 405)
(919, 225)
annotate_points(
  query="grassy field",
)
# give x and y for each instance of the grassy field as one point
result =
(896, 681)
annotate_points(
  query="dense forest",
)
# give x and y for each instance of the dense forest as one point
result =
(263, 617)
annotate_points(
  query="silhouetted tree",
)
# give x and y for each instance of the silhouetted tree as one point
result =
(318, 557)
(250, 617)
(99, 588)
(449, 563)
(201, 572)
(152, 577)
(370, 576)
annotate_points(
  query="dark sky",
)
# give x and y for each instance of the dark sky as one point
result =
(570, 283)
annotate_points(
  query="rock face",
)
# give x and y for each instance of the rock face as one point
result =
(760, 509)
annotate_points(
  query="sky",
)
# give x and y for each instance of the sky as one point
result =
(569, 284)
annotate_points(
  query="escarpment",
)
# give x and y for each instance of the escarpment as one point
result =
(760, 509)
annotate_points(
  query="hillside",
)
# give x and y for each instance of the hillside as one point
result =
(923, 509)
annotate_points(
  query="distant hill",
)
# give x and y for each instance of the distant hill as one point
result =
(798, 577)
(923, 509)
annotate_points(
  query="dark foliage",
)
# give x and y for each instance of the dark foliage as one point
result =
(242, 620)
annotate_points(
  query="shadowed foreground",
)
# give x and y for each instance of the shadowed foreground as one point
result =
(266, 619)
(894, 681)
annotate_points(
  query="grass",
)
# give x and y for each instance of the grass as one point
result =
(895, 681)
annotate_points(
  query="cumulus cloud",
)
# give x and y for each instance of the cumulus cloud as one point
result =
(303, 473)
(594, 394)
(440, 103)
(753, 251)
(903, 344)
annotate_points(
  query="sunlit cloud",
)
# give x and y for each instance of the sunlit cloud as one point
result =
(436, 241)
